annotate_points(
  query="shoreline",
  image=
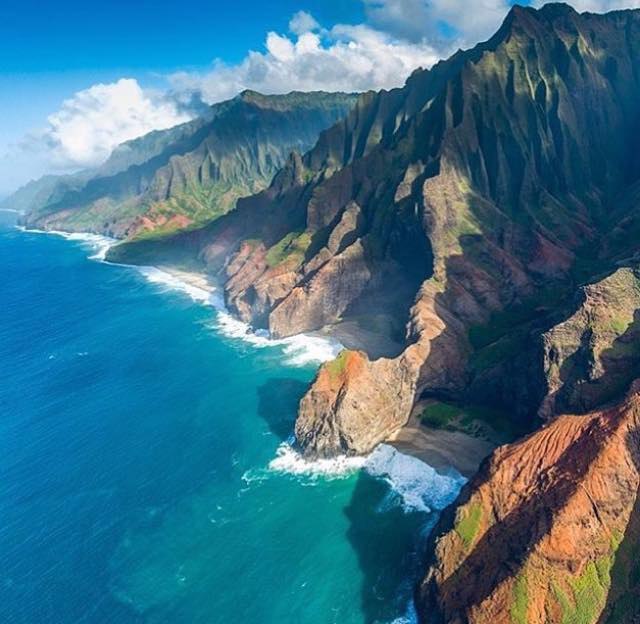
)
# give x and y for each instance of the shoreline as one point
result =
(438, 449)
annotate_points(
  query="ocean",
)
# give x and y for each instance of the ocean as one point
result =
(146, 474)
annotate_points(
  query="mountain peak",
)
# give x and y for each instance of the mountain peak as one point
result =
(524, 15)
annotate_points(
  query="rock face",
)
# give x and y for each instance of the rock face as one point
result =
(185, 176)
(547, 531)
(594, 355)
(459, 216)
(385, 386)
(484, 220)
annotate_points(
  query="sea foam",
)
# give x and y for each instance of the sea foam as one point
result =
(167, 282)
(414, 484)
(290, 461)
(299, 350)
(418, 486)
(96, 242)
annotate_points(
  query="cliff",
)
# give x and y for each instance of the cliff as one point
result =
(548, 529)
(185, 176)
(458, 217)
(482, 222)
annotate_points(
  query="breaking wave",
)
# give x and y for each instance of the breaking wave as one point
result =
(418, 486)
(415, 485)
(96, 242)
(299, 350)
(290, 461)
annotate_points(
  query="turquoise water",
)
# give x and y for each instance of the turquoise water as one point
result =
(136, 475)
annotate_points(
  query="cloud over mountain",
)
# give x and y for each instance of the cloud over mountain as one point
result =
(92, 122)
(396, 37)
(343, 58)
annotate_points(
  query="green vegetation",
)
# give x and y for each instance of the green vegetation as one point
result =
(497, 352)
(589, 590)
(196, 170)
(520, 600)
(199, 204)
(470, 419)
(293, 246)
(468, 523)
(620, 325)
(336, 367)
(589, 593)
(497, 419)
(439, 415)
(500, 324)
(504, 322)
(625, 578)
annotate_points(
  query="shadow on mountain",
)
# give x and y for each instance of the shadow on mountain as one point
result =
(278, 404)
(582, 390)
(484, 569)
(520, 531)
(623, 601)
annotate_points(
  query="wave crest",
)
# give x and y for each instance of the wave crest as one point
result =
(290, 461)
(419, 486)
(299, 350)
(413, 483)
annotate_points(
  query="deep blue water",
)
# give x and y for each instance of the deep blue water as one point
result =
(135, 444)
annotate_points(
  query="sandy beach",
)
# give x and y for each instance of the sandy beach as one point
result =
(197, 280)
(440, 448)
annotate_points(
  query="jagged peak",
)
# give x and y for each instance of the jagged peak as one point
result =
(549, 11)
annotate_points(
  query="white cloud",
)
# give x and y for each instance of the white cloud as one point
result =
(93, 121)
(397, 37)
(303, 22)
(458, 22)
(344, 58)
(438, 20)
(600, 6)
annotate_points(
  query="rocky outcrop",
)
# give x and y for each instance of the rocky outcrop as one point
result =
(594, 355)
(499, 224)
(484, 219)
(183, 177)
(505, 213)
(341, 389)
(459, 216)
(544, 532)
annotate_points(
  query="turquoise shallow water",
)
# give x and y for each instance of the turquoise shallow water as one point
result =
(136, 483)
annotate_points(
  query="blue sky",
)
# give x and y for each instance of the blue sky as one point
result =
(76, 78)
(49, 50)
(144, 34)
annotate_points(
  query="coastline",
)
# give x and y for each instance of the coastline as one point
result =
(345, 335)
(440, 448)
(424, 454)
(423, 474)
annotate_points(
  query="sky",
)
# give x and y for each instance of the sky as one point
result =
(77, 78)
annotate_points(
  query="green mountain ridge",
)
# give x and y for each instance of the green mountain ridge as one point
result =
(482, 220)
(186, 175)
